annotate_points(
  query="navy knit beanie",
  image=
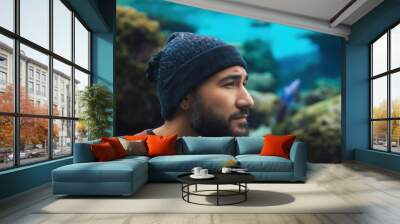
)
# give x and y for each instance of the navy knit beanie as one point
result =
(185, 61)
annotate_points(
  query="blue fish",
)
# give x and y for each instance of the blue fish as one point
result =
(290, 91)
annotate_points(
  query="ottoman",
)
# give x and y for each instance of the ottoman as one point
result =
(118, 177)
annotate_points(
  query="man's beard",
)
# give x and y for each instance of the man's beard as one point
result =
(207, 123)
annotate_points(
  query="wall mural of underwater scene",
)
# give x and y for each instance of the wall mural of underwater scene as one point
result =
(294, 74)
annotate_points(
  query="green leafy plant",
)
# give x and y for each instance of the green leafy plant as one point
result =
(96, 102)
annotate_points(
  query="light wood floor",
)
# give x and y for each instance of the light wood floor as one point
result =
(378, 188)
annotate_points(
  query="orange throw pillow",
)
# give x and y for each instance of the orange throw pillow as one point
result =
(161, 145)
(103, 151)
(277, 145)
(116, 145)
(135, 137)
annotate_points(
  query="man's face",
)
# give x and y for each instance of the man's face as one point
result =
(220, 106)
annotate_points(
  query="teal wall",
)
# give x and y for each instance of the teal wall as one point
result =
(356, 87)
(100, 17)
(103, 51)
(24, 178)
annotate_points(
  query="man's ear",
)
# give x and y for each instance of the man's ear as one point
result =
(185, 103)
(188, 100)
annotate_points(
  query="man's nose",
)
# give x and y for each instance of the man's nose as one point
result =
(244, 99)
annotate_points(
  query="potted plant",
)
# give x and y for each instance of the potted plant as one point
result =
(96, 103)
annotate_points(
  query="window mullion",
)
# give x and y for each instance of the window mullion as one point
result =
(50, 87)
(73, 82)
(371, 89)
(16, 84)
(389, 77)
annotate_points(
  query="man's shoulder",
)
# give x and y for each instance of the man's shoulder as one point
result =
(145, 132)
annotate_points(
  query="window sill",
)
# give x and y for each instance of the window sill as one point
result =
(26, 167)
(382, 159)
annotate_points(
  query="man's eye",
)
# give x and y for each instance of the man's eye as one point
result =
(229, 84)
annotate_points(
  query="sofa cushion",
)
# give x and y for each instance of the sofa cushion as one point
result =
(207, 145)
(83, 153)
(249, 145)
(185, 163)
(131, 158)
(257, 163)
(111, 171)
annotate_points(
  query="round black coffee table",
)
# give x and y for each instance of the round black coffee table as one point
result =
(238, 179)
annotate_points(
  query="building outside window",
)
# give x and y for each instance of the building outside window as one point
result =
(37, 75)
(55, 95)
(3, 61)
(30, 72)
(3, 78)
(43, 78)
(59, 126)
(38, 89)
(30, 87)
(3, 72)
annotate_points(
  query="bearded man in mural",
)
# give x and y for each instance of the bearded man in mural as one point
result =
(200, 84)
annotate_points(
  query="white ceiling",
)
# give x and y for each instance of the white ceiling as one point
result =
(320, 9)
(326, 16)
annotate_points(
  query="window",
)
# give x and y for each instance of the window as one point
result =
(7, 86)
(7, 14)
(62, 30)
(30, 72)
(3, 78)
(81, 81)
(41, 83)
(3, 61)
(38, 89)
(43, 77)
(30, 87)
(37, 74)
(3, 72)
(81, 45)
(7, 142)
(62, 130)
(44, 91)
(385, 94)
(34, 21)
(62, 75)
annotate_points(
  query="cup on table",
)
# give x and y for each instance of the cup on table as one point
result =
(203, 172)
(226, 170)
(196, 171)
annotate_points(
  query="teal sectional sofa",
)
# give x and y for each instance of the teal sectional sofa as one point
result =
(125, 176)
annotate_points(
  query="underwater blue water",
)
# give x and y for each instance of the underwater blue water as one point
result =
(284, 40)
